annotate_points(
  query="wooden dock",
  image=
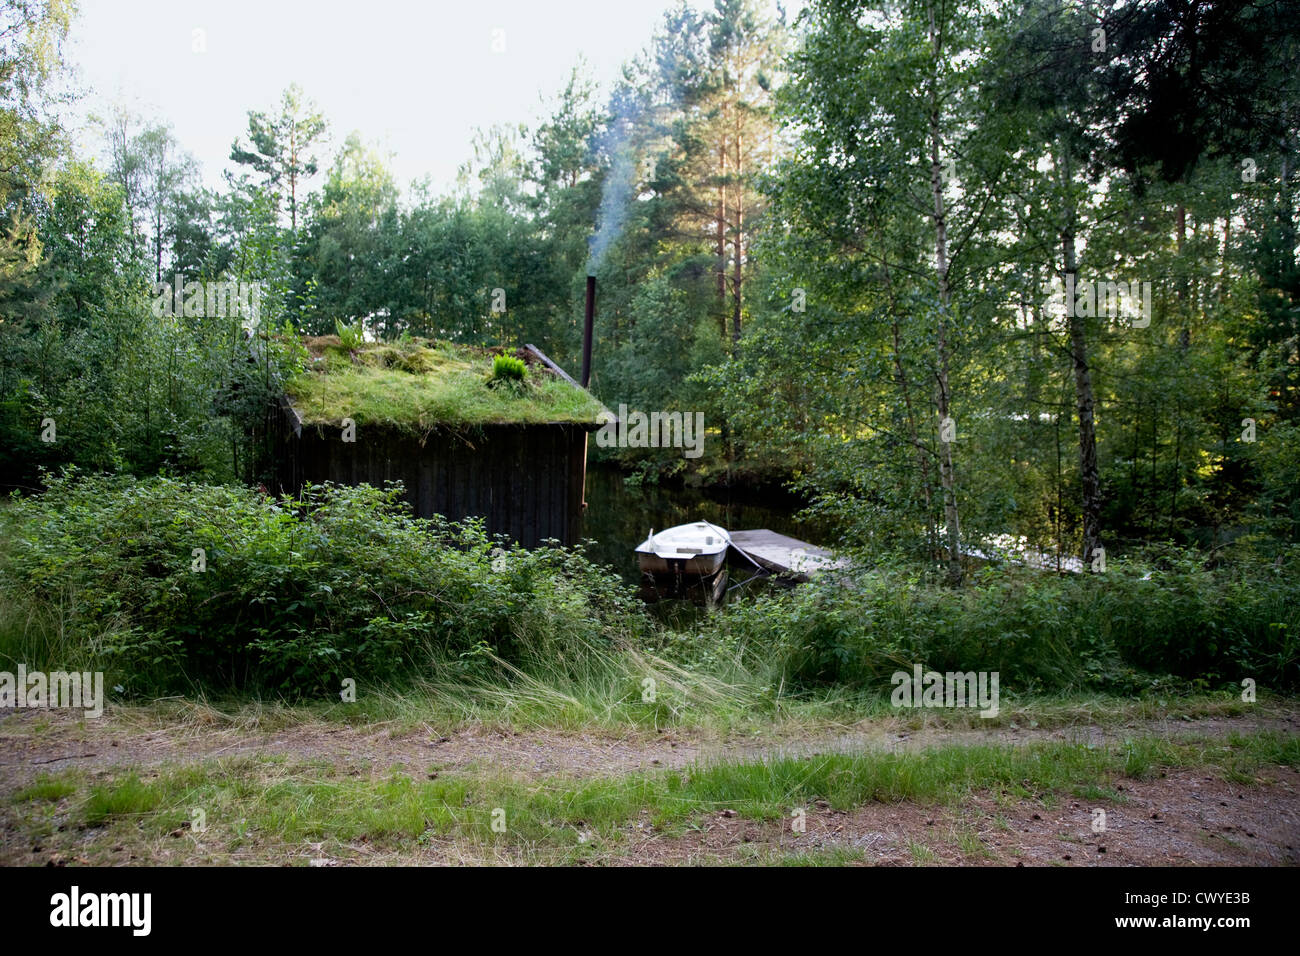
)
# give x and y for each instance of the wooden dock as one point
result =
(782, 554)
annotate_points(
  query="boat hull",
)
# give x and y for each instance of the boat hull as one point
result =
(697, 550)
(702, 565)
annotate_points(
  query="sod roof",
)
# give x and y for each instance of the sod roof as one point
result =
(419, 385)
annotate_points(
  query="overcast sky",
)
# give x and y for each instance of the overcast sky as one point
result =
(413, 77)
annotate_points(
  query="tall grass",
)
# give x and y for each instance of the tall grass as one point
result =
(299, 596)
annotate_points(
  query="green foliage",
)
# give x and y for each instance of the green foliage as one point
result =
(295, 595)
(350, 335)
(506, 369)
(1123, 631)
(829, 268)
(281, 148)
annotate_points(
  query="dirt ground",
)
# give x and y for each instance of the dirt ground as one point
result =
(37, 742)
(1186, 817)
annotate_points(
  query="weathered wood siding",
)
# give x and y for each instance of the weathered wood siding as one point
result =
(525, 481)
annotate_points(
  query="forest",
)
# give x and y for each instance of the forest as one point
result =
(970, 281)
(834, 235)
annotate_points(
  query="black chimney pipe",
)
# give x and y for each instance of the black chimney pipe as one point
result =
(588, 315)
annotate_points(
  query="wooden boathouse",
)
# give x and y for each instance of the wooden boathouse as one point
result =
(424, 414)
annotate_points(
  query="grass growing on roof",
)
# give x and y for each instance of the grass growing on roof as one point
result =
(416, 385)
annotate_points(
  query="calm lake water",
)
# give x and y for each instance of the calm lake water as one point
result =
(620, 515)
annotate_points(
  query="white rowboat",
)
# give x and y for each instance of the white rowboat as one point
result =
(699, 549)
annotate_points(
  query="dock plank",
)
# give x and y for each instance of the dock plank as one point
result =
(783, 554)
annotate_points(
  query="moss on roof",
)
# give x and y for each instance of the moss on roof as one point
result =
(418, 385)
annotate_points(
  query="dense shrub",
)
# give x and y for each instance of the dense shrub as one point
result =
(295, 595)
(1120, 631)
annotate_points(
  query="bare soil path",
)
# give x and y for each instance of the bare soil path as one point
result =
(38, 742)
(1186, 816)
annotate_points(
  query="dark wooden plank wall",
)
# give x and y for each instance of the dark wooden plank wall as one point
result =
(526, 481)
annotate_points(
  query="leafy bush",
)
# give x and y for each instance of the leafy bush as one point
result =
(295, 594)
(1122, 631)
